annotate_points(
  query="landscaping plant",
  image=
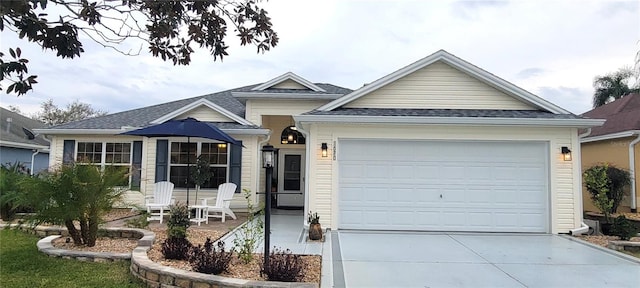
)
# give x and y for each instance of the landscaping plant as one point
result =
(606, 185)
(201, 172)
(206, 259)
(283, 266)
(141, 221)
(176, 246)
(249, 236)
(76, 196)
(623, 228)
(10, 191)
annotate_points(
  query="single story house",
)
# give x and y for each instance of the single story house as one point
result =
(615, 142)
(439, 145)
(19, 144)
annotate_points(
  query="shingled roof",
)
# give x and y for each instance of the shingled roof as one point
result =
(479, 113)
(142, 117)
(622, 115)
(12, 130)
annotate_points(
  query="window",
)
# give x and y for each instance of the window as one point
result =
(106, 155)
(184, 154)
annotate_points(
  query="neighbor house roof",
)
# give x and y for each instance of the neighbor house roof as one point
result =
(13, 134)
(145, 116)
(622, 115)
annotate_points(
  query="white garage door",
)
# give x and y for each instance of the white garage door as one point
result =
(443, 185)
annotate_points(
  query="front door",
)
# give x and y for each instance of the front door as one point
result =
(291, 178)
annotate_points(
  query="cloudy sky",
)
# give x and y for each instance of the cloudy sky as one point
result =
(551, 48)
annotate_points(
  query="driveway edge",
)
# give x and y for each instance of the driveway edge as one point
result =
(603, 249)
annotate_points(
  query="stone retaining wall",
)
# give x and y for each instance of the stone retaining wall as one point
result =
(624, 246)
(151, 273)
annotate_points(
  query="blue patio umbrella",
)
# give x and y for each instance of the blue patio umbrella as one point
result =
(189, 127)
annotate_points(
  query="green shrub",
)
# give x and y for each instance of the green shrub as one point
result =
(606, 185)
(283, 266)
(141, 221)
(74, 194)
(206, 259)
(177, 246)
(248, 236)
(623, 228)
(10, 190)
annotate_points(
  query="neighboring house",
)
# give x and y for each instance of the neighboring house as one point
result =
(615, 142)
(18, 142)
(437, 145)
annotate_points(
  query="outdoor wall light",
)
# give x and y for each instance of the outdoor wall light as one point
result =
(566, 153)
(222, 145)
(324, 149)
(267, 156)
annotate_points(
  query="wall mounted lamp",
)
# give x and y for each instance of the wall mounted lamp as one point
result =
(324, 149)
(566, 153)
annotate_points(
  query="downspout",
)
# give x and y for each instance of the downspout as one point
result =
(33, 159)
(632, 171)
(259, 166)
(307, 150)
(583, 227)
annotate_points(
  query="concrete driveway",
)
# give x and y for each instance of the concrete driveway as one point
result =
(377, 259)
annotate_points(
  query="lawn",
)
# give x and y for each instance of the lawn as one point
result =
(21, 265)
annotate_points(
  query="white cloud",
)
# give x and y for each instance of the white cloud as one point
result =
(551, 48)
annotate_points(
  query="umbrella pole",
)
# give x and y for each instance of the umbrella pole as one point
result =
(188, 167)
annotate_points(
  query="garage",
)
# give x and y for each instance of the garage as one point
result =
(476, 186)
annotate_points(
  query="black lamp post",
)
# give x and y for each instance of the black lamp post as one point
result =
(267, 163)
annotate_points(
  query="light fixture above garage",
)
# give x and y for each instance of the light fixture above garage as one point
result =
(324, 149)
(566, 153)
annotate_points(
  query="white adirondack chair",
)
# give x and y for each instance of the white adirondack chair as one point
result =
(160, 201)
(221, 208)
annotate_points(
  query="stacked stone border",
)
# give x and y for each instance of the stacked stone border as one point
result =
(624, 246)
(151, 273)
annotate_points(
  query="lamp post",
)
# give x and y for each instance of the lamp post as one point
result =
(267, 163)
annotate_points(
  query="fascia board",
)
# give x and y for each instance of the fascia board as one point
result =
(79, 131)
(22, 145)
(617, 135)
(267, 95)
(247, 131)
(288, 76)
(198, 103)
(576, 123)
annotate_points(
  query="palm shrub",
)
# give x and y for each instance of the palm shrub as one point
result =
(177, 246)
(606, 185)
(74, 193)
(11, 175)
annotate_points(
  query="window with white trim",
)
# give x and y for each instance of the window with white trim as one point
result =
(107, 155)
(184, 154)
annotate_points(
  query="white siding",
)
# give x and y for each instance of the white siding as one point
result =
(204, 113)
(438, 86)
(564, 180)
(289, 84)
(257, 108)
(249, 162)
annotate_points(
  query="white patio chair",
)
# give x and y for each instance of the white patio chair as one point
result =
(221, 208)
(160, 201)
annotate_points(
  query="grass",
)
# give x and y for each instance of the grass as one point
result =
(21, 265)
(634, 254)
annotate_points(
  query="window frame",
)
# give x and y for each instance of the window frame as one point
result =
(103, 156)
(227, 166)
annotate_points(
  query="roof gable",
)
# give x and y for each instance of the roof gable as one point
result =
(438, 86)
(622, 115)
(201, 110)
(288, 80)
(502, 90)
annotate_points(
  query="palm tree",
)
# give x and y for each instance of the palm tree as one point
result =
(612, 86)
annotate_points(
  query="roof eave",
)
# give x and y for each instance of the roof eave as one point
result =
(610, 136)
(271, 95)
(574, 123)
(248, 131)
(23, 145)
